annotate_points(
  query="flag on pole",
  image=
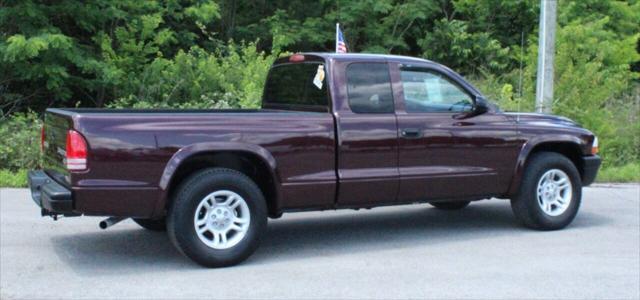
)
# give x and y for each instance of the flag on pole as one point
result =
(341, 45)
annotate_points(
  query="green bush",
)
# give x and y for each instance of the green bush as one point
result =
(451, 42)
(199, 79)
(10, 178)
(593, 75)
(627, 173)
(20, 147)
(594, 82)
(181, 54)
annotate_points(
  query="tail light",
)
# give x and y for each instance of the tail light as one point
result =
(42, 138)
(594, 146)
(76, 159)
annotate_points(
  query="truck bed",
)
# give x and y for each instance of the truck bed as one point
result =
(131, 151)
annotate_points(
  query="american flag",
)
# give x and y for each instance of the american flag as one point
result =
(341, 45)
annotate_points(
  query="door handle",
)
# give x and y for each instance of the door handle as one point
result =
(410, 133)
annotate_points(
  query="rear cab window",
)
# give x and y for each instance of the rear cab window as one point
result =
(369, 88)
(291, 86)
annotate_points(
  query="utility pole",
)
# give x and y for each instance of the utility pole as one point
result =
(546, 49)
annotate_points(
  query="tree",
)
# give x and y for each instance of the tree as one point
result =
(69, 52)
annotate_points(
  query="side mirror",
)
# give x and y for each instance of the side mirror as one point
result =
(479, 107)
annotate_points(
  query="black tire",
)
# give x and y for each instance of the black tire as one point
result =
(450, 205)
(152, 224)
(525, 203)
(180, 221)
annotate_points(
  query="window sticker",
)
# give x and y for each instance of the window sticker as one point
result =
(317, 80)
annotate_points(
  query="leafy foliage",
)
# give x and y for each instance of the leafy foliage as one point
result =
(596, 44)
(627, 173)
(20, 147)
(198, 79)
(212, 54)
(592, 71)
(451, 41)
(66, 52)
(9, 178)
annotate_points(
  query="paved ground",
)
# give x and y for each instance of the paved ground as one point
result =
(396, 252)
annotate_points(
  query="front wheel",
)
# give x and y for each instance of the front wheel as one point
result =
(550, 193)
(217, 217)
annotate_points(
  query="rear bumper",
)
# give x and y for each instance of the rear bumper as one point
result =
(52, 197)
(590, 166)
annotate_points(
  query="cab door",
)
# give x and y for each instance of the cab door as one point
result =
(442, 156)
(367, 163)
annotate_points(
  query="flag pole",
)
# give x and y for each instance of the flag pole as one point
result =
(337, 30)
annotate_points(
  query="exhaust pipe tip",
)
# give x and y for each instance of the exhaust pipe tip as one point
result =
(103, 224)
(108, 222)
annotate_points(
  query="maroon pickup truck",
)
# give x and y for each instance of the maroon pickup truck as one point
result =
(376, 130)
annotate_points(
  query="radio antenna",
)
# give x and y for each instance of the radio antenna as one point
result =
(520, 76)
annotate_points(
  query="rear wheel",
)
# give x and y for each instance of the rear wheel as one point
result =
(450, 205)
(152, 224)
(550, 193)
(217, 217)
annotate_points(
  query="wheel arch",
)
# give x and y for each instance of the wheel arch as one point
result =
(252, 160)
(569, 147)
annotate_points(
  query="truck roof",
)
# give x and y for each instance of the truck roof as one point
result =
(362, 56)
(371, 56)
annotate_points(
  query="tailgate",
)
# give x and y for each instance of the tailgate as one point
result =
(56, 124)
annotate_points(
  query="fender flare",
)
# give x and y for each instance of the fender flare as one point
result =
(189, 151)
(529, 146)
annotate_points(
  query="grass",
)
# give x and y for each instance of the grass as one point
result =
(626, 173)
(10, 178)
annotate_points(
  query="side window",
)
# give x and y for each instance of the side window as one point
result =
(369, 88)
(426, 91)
